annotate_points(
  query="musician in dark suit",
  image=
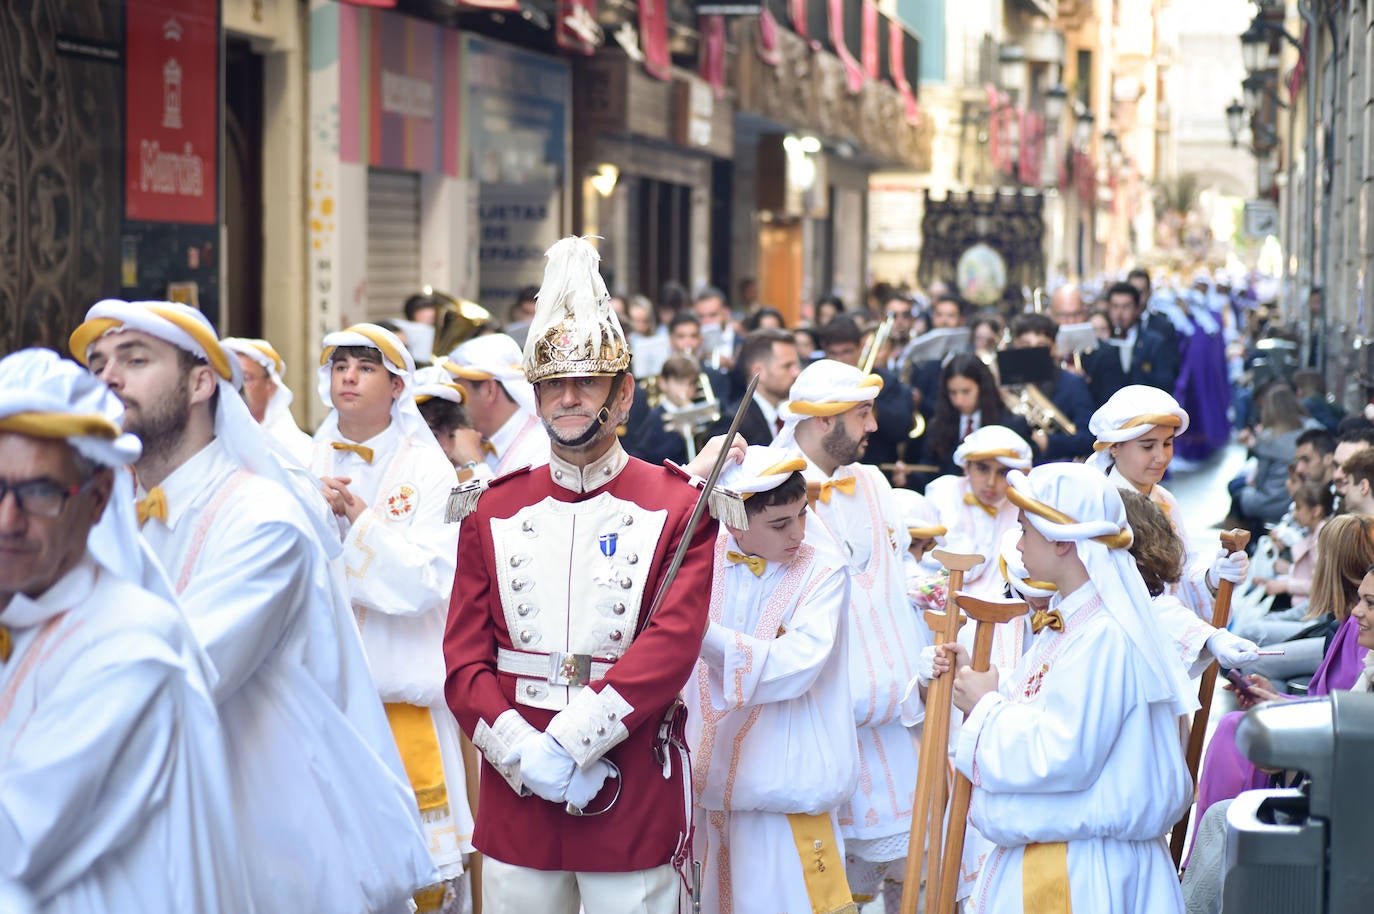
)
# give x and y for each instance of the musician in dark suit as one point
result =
(1155, 321)
(684, 338)
(894, 407)
(1067, 391)
(772, 355)
(1134, 355)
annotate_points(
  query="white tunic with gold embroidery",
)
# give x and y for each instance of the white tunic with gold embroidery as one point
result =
(399, 564)
(885, 638)
(770, 722)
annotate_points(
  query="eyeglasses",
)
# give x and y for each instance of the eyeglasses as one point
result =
(41, 497)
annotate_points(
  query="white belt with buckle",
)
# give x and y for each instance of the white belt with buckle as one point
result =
(558, 668)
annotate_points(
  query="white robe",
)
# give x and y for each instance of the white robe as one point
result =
(769, 696)
(521, 442)
(280, 424)
(329, 825)
(1068, 750)
(114, 794)
(399, 563)
(885, 638)
(972, 531)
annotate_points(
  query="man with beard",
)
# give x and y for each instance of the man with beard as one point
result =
(326, 821)
(772, 355)
(562, 665)
(829, 418)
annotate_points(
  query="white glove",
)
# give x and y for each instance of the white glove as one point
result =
(545, 766)
(1233, 567)
(587, 784)
(1232, 651)
(925, 665)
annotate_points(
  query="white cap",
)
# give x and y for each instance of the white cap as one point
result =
(1070, 502)
(267, 357)
(764, 468)
(1130, 413)
(45, 396)
(493, 357)
(919, 515)
(434, 381)
(824, 388)
(994, 442)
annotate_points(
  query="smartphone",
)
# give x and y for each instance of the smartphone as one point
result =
(1241, 683)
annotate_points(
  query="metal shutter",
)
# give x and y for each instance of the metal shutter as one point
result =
(393, 241)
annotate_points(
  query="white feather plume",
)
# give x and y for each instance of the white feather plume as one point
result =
(572, 289)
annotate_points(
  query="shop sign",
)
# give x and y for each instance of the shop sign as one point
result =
(172, 104)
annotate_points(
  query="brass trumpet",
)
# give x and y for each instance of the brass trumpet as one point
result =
(1030, 403)
(875, 345)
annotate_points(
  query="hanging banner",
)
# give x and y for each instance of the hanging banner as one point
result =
(653, 38)
(767, 44)
(869, 46)
(712, 67)
(578, 30)
(896, 65)
(171, 87)
(853, 72)
(796, 10)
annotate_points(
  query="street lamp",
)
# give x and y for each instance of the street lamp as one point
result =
(1254, 46)
(1111, 142)
(1012, 62)
(1056, 97)
(1235, 121)
(1083, 130)
(1252, 85)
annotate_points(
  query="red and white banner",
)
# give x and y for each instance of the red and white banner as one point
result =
(853, 72)
(653, 38)
(712, 66)
(171, 96)
(578, 30)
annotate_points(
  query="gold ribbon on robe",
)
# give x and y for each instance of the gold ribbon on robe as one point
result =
(154, 504)
(1045, 879)
(413, 729)
(822, 868)
(361, 450)
(6, 644)
(756, 564)
(1041, 619)
(971, 500)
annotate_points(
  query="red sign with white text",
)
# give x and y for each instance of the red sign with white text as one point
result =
(171, 96)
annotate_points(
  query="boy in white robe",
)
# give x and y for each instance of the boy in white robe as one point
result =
(388, 481)
(1135, 431)
(829, 418)
(329, 821)
(114, 794)
(974, 506)
(1077, 759)
(267, 396)
(769, 718)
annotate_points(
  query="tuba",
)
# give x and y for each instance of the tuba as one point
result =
(456, 320)
(1030, 403)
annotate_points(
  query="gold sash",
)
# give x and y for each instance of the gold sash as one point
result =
(418, 743)
(1045, 879)
(822, 868)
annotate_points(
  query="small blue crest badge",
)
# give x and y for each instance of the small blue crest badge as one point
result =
(607, 541)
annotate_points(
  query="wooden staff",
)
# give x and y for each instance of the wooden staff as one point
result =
(927, 812)
(1231, 541)
(986, 613)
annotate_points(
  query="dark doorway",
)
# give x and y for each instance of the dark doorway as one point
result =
(663, 220)
(243, 94)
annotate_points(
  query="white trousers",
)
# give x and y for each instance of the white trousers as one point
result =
(510, 889)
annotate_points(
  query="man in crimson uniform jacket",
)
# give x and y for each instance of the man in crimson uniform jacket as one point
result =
(554, 668)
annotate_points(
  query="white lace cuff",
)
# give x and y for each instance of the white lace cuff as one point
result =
(592, 724)
(495, 743)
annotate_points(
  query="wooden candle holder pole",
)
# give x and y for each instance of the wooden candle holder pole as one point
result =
(928, 809)
(1231, 541)
(986, 613)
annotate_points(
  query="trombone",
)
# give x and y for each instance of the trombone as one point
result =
(1030, 403)
(875, 345)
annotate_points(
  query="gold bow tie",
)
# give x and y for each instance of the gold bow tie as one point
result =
(361, 450)
(6, 644)
(970, 499)
(488, 448)
(1040, 619)
(844, 486)
(755, 563)
(154, 504)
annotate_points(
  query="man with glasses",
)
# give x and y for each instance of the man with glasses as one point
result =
(113, 783)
